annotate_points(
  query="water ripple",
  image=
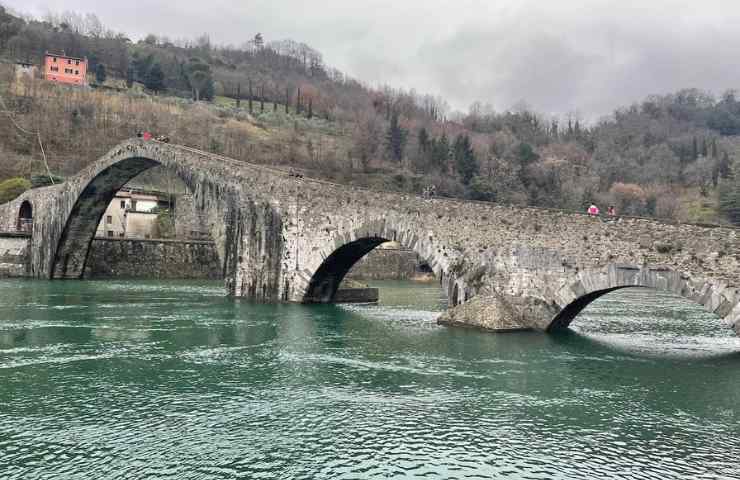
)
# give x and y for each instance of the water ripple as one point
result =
(188, 385)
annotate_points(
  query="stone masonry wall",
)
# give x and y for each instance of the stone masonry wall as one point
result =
(386, 264)
(152, 259)
(14, 256)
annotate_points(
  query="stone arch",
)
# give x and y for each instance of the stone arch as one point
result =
(25, 217)
(344, 249)
(588, 286)
(88, 197)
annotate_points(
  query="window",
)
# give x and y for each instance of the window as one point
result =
(123, 204)
(109, 233)
(120, 234)
(77, 72)
(69, 62)
(77, 62)
(109, 219)
(54, 59)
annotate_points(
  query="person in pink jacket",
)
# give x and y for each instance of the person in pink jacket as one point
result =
(593, 210)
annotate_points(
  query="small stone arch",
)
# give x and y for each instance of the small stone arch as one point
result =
(25, 217)
(346, 248)
(715, 297)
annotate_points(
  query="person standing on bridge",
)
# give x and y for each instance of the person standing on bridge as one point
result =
(593, 210)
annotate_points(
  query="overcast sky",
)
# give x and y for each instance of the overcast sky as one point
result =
(559, 56)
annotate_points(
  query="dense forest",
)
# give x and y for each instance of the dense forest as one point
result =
(277, 102)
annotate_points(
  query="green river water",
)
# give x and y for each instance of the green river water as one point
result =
(154, 380)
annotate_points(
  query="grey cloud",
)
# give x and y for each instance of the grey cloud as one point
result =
(590, 56)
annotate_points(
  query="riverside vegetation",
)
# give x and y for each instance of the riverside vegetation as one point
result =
(278, 103)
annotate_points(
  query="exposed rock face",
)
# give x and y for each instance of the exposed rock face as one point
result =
(293, 239)
(497, 313)
(153, 259)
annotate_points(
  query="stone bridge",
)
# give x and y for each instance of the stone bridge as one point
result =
(282, 238)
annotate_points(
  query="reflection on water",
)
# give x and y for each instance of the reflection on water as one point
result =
(173, 380)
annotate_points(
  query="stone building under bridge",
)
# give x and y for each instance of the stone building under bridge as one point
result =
(153, 207)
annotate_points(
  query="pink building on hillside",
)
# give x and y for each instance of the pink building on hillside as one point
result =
(64, 69)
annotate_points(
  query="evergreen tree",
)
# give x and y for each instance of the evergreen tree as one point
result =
(464, 156)
(396, 138)
(100, 73)
(130, 76)
(440, 153)
(724, 169)
(526, 156)
(200, 79)
(714, 148)
(423, 142)
(704, 148)
(154, 79)
(695, 150)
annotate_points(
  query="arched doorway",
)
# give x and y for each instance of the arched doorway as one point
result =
(25, 217)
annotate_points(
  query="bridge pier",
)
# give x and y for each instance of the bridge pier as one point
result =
(254, 249)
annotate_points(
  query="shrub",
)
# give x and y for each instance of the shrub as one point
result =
(12, 188)
(630, 199)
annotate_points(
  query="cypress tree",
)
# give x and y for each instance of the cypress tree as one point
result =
(441, 153)
(423, 141)
(465, 162)
(396, 138)
(100, 74)
(724, 167)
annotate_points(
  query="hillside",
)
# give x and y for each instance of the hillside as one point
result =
(278, 103)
